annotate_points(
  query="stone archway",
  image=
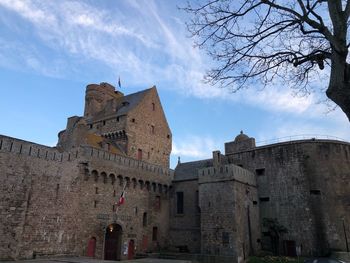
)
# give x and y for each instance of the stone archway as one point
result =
(113, 239)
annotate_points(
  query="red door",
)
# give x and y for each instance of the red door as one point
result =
(139, 154)
(131, 249)
(144, 243)
(91, 247)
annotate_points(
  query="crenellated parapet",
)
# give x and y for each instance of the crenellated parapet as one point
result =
(25, 148)
(229, 172)
(91, 153)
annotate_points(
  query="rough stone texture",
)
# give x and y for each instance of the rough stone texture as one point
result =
(303, 184)
(307, 183)
(185, 227)
(54, 200)
(132, 125)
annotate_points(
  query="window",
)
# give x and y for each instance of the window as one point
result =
(225, 238)
(155, 233)
(104, 123)
(153, 107)
(132, 120)
(264, 199)
(118, 119)
(179, 202)
(148, 155)
(139, 154)
(157, 203)
(152, 129)
(95, 204)
(96, 190)
(144, 219)
(315, 192)
(168, 136)
(197, 202)
(260, 172)
(90, 126)
(255, 202)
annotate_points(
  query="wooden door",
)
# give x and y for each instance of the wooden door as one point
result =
(131, 249)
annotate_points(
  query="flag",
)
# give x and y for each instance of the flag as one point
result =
(121, 199)
(119, 84)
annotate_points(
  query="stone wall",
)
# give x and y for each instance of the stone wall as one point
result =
(149, 131)
(304, 184)
(52, 203)
(147, 191)
(185, 227)
(35, 194)
(229, 218)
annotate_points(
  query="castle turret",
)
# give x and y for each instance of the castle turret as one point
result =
(242, 142)
(97, 96)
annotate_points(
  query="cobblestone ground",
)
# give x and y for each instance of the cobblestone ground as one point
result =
(90, 260)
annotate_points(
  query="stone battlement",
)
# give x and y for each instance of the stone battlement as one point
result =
(25, 148)
(92, 152)
(226, 172)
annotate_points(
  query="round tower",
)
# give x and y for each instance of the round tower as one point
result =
(96, 97)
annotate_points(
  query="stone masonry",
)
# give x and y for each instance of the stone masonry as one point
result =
(304, 185)
(63, 200)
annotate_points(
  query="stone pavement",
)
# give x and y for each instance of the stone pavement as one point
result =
(92, 260)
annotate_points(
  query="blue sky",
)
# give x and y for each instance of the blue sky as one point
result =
(50, 50)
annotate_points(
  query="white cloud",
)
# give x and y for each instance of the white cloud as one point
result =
(196, 147)
(152, 47)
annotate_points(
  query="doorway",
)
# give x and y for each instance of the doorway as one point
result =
(131, 249)
(113, 242)
(91, 247)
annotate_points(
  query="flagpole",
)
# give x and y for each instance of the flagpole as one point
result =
(123, 193)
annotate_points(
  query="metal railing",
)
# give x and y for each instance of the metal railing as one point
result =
(299, 137)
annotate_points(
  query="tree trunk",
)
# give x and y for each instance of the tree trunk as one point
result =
(339, 84)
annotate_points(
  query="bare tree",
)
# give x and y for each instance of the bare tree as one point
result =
(292, 40)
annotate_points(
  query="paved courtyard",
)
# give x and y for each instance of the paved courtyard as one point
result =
(91, 260)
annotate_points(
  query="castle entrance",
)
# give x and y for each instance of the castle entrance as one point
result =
(113, 242)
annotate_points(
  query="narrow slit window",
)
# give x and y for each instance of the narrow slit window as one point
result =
(264, 199)
(179, 202)
(315, 192)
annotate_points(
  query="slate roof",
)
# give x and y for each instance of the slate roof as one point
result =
(132, 101)
(188, 171)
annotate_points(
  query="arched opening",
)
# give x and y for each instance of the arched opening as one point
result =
(113, 242)
(94, 174)
(91, 247)
(104, 176)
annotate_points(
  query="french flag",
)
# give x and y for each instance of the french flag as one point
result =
(121, 199)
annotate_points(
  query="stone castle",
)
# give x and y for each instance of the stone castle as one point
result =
(287, 197)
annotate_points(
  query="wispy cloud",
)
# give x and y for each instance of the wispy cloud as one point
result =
(151, 47)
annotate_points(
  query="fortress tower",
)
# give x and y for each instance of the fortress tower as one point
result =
(133, 125)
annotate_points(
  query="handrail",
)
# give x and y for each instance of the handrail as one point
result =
(299, 137)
